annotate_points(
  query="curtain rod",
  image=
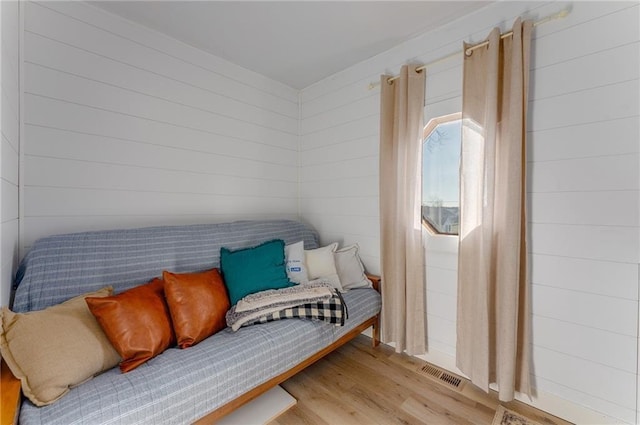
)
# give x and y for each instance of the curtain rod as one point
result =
(469, 50)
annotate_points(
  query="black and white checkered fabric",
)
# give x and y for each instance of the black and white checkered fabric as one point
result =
(334, 310)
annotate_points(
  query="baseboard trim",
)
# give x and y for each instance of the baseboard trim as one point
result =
(550, 403)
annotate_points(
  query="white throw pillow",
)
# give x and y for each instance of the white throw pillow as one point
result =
(350, 268)
(321, 265)
(294, 258)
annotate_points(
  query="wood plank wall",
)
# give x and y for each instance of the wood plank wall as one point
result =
(582, 192)
(9, 145)
(127, 127)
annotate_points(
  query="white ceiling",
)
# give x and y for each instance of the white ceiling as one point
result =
(294, 42)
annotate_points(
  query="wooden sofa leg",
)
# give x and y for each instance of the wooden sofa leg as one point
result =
(376, 282)
(10, 403)
(375, 340)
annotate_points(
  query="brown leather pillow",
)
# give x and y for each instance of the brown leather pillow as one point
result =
(198, 303)
(137, 322)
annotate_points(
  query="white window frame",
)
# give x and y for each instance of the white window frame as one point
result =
(431, 125)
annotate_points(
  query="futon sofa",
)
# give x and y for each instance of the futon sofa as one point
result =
(201, 383)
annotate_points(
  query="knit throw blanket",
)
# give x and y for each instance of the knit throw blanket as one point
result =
(314, 300)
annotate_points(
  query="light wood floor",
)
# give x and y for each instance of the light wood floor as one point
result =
(358, 385)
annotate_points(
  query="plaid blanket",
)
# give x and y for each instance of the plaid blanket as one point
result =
(331, 310)
(334, 310)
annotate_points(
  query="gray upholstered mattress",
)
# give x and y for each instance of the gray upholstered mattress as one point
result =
(59, 267)
(178, 386)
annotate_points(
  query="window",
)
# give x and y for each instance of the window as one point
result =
(441, 174)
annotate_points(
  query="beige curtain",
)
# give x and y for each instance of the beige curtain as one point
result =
(403, 289)
(493, 327)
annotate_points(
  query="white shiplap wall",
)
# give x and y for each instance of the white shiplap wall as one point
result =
(10, 145)
(127, 127)
(583, 191)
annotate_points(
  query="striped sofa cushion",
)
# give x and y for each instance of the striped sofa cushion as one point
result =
(60, 267)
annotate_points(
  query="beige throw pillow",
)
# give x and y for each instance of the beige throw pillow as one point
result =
(350, 268)
(322, 266)
(54, 349)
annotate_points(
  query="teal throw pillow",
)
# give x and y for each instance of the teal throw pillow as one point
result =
(250, 270)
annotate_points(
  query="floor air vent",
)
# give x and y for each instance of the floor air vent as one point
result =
(441, 376)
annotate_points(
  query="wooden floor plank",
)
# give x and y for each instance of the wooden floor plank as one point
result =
(358, 384)
(331, 406)
(432, 413)
(301, 415)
